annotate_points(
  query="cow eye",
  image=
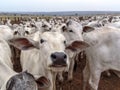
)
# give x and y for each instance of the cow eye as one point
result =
(26, 32)
(70, 30)
(16, 32)
(65, 42)
(41, 41)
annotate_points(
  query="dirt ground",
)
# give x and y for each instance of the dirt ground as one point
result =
(106, 83)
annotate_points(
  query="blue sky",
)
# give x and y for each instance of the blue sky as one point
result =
(59, 5)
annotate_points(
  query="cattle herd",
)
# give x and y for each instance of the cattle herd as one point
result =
(48, 48)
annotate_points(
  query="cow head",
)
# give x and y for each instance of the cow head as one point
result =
(26, 81)
(45, 27)
(52, 45)
(72, 31)
(24, 30)
(22, 81)
(18, 31)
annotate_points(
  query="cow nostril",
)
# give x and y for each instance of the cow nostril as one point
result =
(65, 56)
(53, 56)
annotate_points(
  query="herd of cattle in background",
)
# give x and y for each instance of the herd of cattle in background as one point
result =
(48, 48)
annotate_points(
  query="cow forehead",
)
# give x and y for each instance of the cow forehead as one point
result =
(75, 29)
(51, 36)
(75, 25)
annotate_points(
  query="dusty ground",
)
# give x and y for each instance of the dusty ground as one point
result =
(106, 83)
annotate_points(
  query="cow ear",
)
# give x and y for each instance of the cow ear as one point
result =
(9, 84)
(24, 43)
(88, 29)
(77, 45)
(64, 28)
(69, 22)
(43, 82)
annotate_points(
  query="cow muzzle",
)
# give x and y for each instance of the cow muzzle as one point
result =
(59, 59)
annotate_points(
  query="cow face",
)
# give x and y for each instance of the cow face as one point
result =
(45, 27)
(28, 30)
(18, 31)
(24, 31)
(52, 46)
(72, 31)
(22, 81)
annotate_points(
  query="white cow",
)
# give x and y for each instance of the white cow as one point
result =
(10, 80)
(49, 57)
(8, 77)
(24, 30)
(115, 24)
(95, 24)
(6, 32)
(8, 23)
(72, 32)
(102, 53)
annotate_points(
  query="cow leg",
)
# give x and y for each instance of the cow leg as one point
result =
(60, 77)
(86, 74)
(94, 78)
(54, 81)
(51, 81)
(52, 78)
(70, 72)
(13, 54)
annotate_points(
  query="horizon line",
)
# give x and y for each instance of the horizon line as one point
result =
(61, 11)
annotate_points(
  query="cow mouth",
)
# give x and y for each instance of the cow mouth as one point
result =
(58, 66)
